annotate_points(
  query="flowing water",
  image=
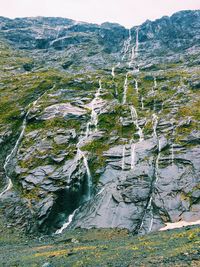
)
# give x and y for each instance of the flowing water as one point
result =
(137, 43)
(136, 85)
(123, 157)
(80, 155)
(132, 56)
(155, 82)
(94, 115)
(135, 121)
(125, 89)
(142, 102)
(172, 152)
(132, 156)
(172, 145)
(155, 123)
(65, 225)
(126, 46)
(16, 146)
(113, 72)
(155, 182)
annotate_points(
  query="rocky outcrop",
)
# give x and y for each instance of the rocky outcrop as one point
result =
(112, 133)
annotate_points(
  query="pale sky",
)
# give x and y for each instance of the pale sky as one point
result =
(126, 12)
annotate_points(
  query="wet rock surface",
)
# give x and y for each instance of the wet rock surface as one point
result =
(112, 123)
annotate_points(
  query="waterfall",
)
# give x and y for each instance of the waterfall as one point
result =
(11, 155)
(16, 146)
(172, 151)
(155, 180)
(132, 156)
(81, 155)
(155, 123)
(135, 121)
(157, 162)
(89, 177)
(155, 82)
(136, 85)
(94, 115)
(101, 191)
(132, 56)
(126, 45)
(87, 132)
(125, 89)
(172, 146)
(7, 187)
(142, 102)
(100, 86)
(137, 42)
(65, 225)
(123, 158)
(113, 72)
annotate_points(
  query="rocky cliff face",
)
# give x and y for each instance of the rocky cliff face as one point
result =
(99, 124)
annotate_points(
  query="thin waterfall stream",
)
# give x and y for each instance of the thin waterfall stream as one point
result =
(11, 155)
(134, 116)
(80, 154)
(125, 89)
(155, 180)
(17, 144)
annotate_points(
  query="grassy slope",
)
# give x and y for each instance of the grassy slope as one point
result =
(105, 248)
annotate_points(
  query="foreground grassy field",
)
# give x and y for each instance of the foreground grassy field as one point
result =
(104, 247)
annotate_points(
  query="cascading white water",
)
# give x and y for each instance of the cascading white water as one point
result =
(87, 132)
(80, 155)
(135, 121)
(156, 175)
(155, 123)
(11, 155)
(101, 191)
(125, 89)
(142, 102)
(94, 115)
(172, 152)
(65, 225)
(89, 181)
(132, 56)
(8, 186)
(136, 85)
(113, 72)
(155, 82)
(126, 45)
(137, 42)
(132, 156)
(172, 146)
(149, 207)
(123, 157)
(157, 161)
(14, 150)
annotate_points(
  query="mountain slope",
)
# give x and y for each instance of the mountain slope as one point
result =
(99, 124)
